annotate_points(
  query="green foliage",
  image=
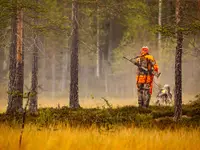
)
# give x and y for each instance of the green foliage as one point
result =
(24, 95)
(108, 118)
(45, 117)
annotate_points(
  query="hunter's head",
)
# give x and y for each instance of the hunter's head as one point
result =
(144, 50)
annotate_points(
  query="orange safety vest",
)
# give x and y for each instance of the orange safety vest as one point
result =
(150, 64)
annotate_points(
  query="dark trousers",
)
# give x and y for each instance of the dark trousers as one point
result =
(144, 95)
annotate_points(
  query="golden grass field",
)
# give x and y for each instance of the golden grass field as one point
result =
(91, 139)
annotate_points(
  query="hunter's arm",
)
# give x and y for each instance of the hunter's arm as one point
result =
(155, 66)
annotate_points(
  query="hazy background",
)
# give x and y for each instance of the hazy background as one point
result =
(123, 31)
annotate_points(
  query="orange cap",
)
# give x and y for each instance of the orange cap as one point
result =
(144, 50)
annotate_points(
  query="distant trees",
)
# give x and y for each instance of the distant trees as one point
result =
(35, 19)
(104, 32)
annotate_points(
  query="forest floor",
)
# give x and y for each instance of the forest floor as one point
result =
(108, 116)
(105, 127)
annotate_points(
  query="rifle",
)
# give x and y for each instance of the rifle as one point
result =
(142, 68)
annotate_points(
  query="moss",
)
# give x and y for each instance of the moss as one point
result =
(107, 118)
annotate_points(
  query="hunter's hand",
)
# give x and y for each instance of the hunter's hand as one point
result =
(135, 63)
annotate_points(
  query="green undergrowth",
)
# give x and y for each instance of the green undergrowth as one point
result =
(155, 116)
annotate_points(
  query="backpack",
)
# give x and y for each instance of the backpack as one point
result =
(145, 63)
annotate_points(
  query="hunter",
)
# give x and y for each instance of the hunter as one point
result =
(147, 68)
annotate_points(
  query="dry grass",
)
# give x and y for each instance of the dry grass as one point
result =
(91, 139)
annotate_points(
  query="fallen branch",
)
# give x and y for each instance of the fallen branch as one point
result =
(107, 103)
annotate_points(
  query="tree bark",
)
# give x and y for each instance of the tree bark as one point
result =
(33, 105)
(74, 98)
(110, 44)
(107, 56)
(178, 63)
(17, 101)
(198, 13)
(106, 76)
(2, 60)
(98, 45)
(160, 23)
(169, 11)
(12, 64)
(53, 76)
(43, 63)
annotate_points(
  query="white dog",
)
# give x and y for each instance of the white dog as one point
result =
(164, 96)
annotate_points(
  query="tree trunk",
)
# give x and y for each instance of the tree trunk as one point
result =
(34, 80)
(107, 56)
(2, 60)
(98, 45)
(33, 105)
(106, 76)
(53, 77)
(159, 35)
(19, 77)
(12, 64)
(43, 63)
(170, 12)
(198, 13)
(178, 63)
(74, 98)
(110, 44)
(160, 23)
